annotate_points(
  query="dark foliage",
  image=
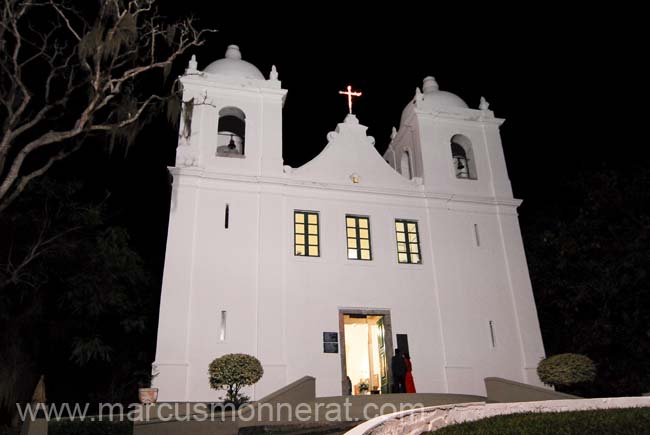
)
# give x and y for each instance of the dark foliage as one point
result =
(76, 301)
(588, 250)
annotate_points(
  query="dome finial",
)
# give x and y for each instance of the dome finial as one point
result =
(234, 66)
(192, 65)
(418, 96)
(429, 85)
(233, 52)
(274, 73)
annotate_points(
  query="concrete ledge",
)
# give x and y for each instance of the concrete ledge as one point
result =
(507, 391)
(428, 419)
(301, 391)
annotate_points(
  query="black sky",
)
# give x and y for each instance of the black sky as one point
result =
(553, 74)
(568, 84)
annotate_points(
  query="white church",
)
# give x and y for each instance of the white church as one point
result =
(324, 270)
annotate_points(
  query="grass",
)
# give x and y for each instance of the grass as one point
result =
(627, 421)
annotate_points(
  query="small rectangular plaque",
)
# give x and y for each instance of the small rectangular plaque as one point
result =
(330, 342)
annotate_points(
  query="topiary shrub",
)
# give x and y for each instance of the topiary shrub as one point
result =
(232, 372)
(566, 369)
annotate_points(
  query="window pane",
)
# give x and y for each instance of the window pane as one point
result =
(363, 222)
(352, 243)
(300, 218)
(365, 255)
(352, 254)
(300, 239)
(363, 234)
(415, 258)
(413, 237)
(313, 229)
(350, 222)
(313, 218)
(313, 240)
(401, 247)
(352, 232)
(300, 229)
(411, 227)
(313, 251)
(401, 237)
(402, 258)
(399, 226)
(365, 244)
(300, 250)
(413, 247)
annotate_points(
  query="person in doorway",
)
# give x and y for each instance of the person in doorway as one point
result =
(398, 366)
(409, 384)
(348, 386)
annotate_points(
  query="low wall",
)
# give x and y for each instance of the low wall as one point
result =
(427, 419)
(300, 391)
(507, 391)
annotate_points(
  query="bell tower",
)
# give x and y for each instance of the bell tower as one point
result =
(230, 138)
(452, 148)
(232, 118)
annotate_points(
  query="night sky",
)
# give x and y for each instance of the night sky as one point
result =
(565, 83)
(552, 76)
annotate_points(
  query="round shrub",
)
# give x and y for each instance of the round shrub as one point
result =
(566, 369)
(232, 372)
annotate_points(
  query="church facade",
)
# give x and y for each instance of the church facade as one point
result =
(324, 270)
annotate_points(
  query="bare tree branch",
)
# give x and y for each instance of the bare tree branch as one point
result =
(90, 77)
(65, 19)
(25, 179)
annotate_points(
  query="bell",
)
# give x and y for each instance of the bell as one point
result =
(231, 144)
(460, 165)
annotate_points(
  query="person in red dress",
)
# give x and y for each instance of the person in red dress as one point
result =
(408, 379)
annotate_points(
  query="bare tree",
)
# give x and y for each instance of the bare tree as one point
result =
(66, 73)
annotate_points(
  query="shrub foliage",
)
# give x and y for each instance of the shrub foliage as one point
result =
(566, 369)
(232, 372)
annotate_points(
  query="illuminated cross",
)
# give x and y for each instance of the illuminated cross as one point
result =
(350, 94)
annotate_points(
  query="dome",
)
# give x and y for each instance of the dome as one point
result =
(233, 65)
(434, 99)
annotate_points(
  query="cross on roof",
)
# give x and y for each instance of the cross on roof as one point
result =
(350, 94)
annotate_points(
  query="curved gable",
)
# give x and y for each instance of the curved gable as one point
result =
(350, 156)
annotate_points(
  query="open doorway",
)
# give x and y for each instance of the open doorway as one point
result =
(366, 350)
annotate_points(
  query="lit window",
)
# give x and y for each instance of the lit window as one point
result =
(358, 235)
(408, 242)
(306, 233)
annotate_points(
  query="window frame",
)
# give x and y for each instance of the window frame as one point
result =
(305, 233)
(357, 237)
(408, 250)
